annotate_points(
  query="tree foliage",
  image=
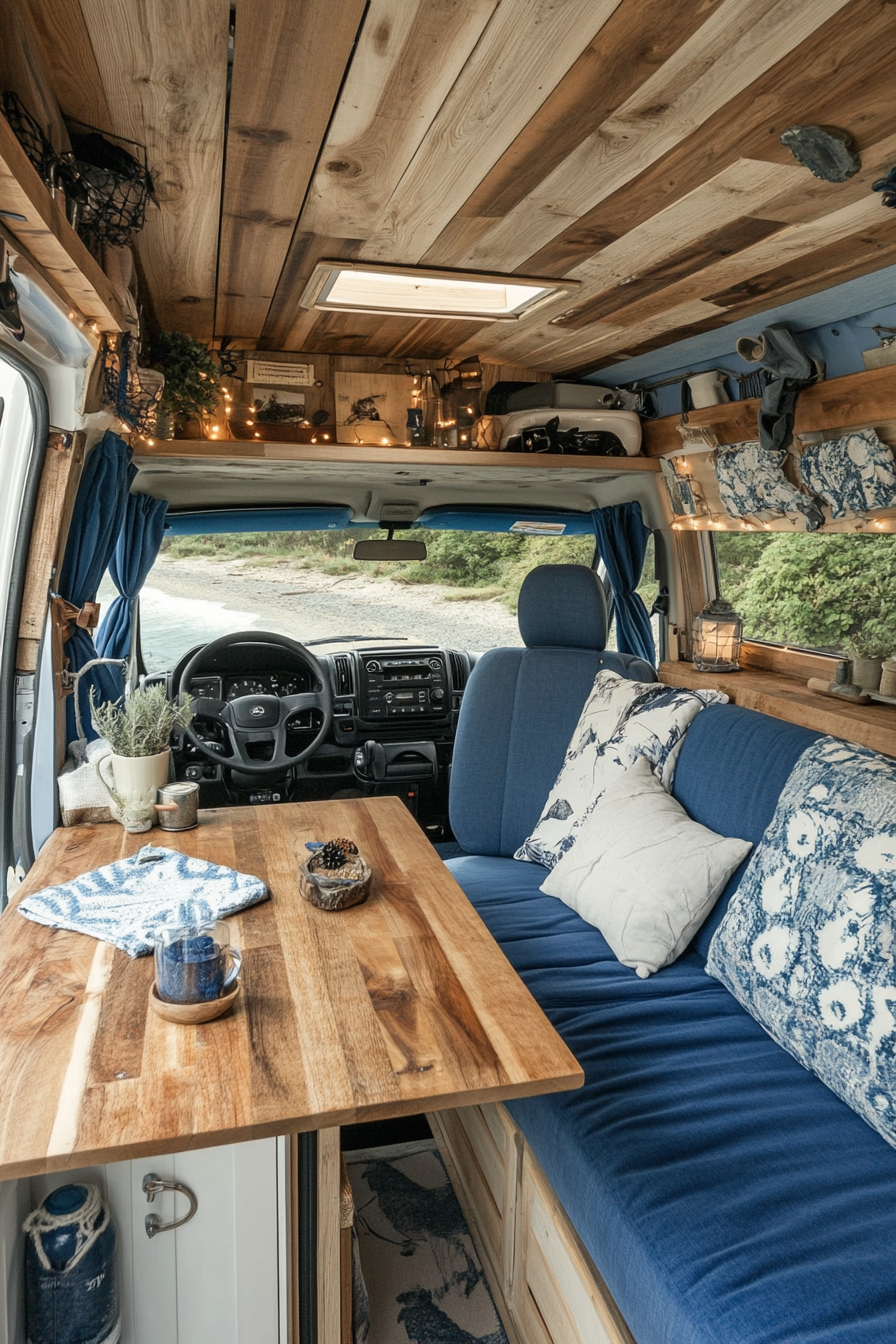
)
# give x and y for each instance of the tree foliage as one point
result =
(824, 592)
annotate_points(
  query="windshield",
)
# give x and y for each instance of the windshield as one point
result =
(307, 586)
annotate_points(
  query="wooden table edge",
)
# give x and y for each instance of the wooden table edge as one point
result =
(274, 1129)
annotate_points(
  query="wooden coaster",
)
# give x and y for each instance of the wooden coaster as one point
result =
(190, 1014)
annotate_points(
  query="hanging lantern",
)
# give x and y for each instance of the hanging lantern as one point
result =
(716, 637)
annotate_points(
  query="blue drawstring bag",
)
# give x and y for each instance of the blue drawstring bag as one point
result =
(71, 1280)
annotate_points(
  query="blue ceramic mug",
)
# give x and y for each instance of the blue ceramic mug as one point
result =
(195, 964)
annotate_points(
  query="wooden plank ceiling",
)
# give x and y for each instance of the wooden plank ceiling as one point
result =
(632, 147)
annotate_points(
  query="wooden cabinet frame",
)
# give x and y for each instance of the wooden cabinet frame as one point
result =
(546, 1287)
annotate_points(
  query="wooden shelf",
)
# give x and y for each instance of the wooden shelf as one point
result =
(867, 398)
(391, 456)
(45, 235)
(790, 699)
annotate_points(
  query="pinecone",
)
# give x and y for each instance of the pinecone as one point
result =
(348, 847)
(332, 855)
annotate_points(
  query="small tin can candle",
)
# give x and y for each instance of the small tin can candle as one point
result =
(178, 806)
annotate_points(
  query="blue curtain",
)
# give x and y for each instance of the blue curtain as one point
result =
(622, 543)
(137, 547)
(96, 522)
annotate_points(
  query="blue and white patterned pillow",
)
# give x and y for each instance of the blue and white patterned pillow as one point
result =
(808, 943)
(126, 902)
(852, 474)
(621, 721)
(752, 483)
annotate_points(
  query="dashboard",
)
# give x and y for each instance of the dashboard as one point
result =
(280, 682)
(388, 693)
(395, 712)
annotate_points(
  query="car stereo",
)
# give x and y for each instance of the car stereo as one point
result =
(413, 686)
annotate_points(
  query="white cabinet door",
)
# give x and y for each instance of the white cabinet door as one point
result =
(219, 1279)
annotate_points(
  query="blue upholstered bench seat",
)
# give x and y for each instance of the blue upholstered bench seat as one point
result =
(725, 1194)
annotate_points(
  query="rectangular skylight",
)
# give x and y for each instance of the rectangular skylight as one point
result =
(416, 292)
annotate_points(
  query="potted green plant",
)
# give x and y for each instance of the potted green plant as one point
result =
(867, 649)
(191, 380)
(138, 731)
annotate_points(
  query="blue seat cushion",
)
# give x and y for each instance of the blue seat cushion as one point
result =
(726, 1196)
(731, 769)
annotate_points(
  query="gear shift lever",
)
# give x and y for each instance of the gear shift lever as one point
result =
(370, 761)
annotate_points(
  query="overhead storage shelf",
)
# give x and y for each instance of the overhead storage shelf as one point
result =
(395, 455)
(38, 222)
(867, 398)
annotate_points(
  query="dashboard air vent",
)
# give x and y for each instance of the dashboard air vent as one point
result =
(459, 670)
(342, 668)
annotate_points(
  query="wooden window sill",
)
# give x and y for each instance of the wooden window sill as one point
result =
(789, 698)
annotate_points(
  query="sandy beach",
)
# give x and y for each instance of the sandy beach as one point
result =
(187, 601)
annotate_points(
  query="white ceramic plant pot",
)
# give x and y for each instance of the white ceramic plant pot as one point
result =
(866, 673)
(134, 783)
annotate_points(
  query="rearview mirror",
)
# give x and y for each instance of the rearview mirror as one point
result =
(389, 550)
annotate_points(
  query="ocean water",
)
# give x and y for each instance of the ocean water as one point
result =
(169, 625)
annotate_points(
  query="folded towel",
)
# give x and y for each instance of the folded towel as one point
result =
(126, 902)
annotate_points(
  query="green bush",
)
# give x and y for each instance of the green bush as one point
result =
(823, 592)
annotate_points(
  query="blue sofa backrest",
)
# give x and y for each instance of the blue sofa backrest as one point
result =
(733, 765)
(521, 706)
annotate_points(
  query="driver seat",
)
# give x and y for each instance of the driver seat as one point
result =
(520, 708)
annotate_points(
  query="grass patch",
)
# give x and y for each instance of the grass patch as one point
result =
(475, 595)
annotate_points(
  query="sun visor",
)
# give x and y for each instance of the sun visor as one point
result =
(209, 522)
(525, 522)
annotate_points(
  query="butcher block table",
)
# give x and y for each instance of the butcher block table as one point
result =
(401, 1005)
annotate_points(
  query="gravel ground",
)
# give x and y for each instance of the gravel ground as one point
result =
(191, 600)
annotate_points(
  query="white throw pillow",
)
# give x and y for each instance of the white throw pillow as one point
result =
(643, 872)
(621, 721)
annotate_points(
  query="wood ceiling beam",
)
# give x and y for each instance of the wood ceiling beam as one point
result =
(288, 65)
(688, 227)
(70, 61)
(838, 75)
(163, 66)
(405, 62)
(632, 45)
(737, 44)
(524, 52)
(804, 258)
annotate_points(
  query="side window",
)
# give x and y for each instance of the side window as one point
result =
(834, 594)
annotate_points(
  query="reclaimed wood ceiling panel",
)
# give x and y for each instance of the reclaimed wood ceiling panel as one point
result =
(632, 147)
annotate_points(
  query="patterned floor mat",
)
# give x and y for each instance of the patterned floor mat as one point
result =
(424, 1281)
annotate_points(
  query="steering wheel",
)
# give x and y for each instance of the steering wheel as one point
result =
(257, 718)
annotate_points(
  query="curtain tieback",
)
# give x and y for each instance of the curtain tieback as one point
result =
(69, 616)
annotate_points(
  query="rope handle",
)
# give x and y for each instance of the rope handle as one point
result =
(84, 1221)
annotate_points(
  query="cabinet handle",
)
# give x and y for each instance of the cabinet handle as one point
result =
(154, 1185)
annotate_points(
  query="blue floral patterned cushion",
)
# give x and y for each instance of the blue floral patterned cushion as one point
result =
(752, 484)
(126, 902)
(808, 944)
(621, 721)
(852, 474)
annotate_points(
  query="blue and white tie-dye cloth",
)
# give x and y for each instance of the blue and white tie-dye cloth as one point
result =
(126, 902)
(852, 474)
(807, 943)
(752, 484)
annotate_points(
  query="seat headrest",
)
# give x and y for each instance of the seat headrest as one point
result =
(562, 606)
